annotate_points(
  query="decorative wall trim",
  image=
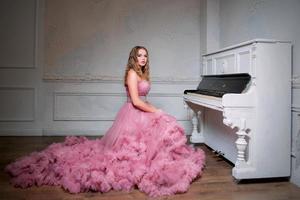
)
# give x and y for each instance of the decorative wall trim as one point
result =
(116, 79)
(296, 91)
(89, 94)
(56, 95)
(56, 116)
(75, 132)
(296, 109)
(296, 82)
(34, 106)
(35, 49)
(36, 34)
(157, 94)
(172, 95)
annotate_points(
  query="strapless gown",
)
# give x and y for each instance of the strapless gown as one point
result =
(141, 150)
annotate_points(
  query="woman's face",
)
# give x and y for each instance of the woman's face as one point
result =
(142, 57)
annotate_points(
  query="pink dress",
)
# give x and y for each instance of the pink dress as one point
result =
(141, 149)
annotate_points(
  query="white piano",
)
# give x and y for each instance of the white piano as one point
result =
(251, 129)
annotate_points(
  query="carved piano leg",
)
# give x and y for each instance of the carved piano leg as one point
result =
(197, 137)
(242, 168)
(241, 145)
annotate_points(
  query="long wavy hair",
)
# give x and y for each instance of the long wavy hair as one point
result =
(132, 63)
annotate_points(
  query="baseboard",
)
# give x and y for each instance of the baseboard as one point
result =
(295, 176)
(21, 132)
(75, 132)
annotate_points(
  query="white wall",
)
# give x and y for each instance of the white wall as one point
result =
(92, 39)
(248, 19)
(62, 63)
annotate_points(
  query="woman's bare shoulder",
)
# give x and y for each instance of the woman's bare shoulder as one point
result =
(132, 72)
(133, 75)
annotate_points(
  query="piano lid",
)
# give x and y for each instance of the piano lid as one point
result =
(218, 85)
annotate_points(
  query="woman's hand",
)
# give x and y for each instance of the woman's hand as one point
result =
(158, 111)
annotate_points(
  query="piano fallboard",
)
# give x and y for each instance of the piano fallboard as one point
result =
(221, 84)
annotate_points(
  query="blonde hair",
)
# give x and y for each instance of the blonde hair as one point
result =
(132, 63)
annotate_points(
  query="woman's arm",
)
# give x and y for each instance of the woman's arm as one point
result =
(132, 83)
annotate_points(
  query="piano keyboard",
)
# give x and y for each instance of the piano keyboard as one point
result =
(205, 100)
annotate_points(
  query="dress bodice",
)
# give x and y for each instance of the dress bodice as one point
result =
(143, 88)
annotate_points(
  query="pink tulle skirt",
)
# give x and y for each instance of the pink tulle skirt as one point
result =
(143, 150)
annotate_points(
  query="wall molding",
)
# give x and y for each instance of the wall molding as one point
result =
(35, 45)
(159, 94)
(296, 83)
(34, 103)
(75, 132)
(56, 95)
(296, 109)
(115, 79)
(296, 88)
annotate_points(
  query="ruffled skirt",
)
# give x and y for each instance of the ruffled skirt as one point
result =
(143, 150)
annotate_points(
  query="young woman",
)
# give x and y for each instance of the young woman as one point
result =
(144, 148)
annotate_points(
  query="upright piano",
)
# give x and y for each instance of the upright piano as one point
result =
(242, 107)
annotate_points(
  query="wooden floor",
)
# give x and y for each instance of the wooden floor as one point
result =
(215, 184)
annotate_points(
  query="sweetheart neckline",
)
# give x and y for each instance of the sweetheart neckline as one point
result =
(143, 80)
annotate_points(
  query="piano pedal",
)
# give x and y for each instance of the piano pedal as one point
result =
(218, 154)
